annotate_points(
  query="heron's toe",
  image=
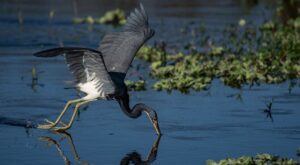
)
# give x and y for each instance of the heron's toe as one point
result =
(54, 124)
(64, 124)
(61, 129)
(50, 122)
(45, 126)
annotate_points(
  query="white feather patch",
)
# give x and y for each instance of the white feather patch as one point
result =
(91, 89)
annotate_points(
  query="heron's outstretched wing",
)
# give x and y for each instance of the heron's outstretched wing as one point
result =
(119, 48)
(85, 64)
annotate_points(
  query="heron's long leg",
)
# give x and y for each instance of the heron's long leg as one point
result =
(72, 118)
(65, 109)
(53, 124)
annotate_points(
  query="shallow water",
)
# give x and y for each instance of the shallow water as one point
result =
(203, 125)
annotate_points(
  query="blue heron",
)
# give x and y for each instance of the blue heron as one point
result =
(100, 73)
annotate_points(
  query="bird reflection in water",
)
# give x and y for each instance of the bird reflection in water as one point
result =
(130, 158)
(135, 158)
(67, 136)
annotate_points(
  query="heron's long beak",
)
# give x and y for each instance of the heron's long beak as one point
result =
(156, 127)
(154, 123)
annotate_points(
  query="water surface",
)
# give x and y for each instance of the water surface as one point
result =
(212, 124)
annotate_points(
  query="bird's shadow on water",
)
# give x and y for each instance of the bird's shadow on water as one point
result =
(130, 158)
(18, 122)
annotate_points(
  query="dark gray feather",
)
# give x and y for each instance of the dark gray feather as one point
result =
(83, 62)
(96, 71)
(74, 61)
(120, 48)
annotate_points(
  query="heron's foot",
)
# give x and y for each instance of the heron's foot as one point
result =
(61, 129)
(50, 124)
(46, 126)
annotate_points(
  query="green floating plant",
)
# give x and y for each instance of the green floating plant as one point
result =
(260, 159)
(114, 17)
(275, 60)
(139, 85)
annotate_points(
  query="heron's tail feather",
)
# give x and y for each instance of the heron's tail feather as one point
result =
(59, 51)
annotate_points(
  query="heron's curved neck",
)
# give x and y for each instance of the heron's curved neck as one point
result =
(136, 111)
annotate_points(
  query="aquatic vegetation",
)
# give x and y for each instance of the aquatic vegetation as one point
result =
(34, 73)
(114, 17)
(260, 159)
(246, 55)
(51, 14)
(20, 17)
(268, 110)
(150, 54)
(292, 84)
(238, 96)
(135, 85)
(242, 22)
(275, 59)
(34, 79)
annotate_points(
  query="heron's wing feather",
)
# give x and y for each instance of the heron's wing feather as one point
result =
(96, 72)
(74, 61)
(85, 64)
(119, 48)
